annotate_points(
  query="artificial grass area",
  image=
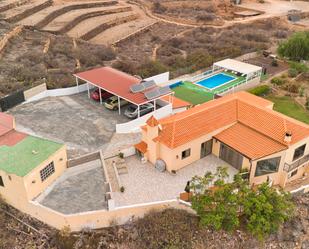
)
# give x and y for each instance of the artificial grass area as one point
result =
(26, 155)
(192, 93)
(289, 107)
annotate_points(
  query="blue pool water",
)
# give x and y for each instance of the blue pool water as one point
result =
(215, 80)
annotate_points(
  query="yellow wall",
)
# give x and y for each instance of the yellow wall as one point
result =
(281, 177)
(17, 190)
(34, 185)
(173, 157)
(14, 191)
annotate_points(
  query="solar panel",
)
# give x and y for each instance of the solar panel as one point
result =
(153, 93)
(149, 84)
(164, 90)
(137, 88)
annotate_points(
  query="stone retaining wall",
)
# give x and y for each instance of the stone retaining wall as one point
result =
(79, 19)
(84, 159)
(66, 9)
(13, 5)
(29, 12)
(99, 29)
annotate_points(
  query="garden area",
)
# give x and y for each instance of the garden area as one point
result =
(290, 91)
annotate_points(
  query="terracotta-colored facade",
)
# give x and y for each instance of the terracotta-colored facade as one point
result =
(242, 129)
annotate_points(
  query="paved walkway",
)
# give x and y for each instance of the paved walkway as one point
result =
(79, 189)
(144, 183)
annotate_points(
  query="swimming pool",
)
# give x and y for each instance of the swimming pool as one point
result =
(215, 81)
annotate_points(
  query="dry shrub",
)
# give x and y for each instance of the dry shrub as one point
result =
(63, 46)
(167, 50)
(207, 17)
(31, 58)
(27, 75)
(158, 8)
(168, 229)
(60, 79)
(125, 65)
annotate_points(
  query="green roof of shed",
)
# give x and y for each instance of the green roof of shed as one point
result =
(26, 155)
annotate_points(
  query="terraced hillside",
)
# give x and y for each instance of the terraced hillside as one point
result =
(92, 20)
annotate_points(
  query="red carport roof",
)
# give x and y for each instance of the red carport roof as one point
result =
(115, 82)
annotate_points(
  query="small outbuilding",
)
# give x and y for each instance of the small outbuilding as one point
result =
(28, 164)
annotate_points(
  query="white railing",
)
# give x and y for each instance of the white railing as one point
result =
(227, 89)
(134, 125)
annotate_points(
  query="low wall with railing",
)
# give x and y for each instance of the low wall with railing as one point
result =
(242, 85)
(100, 218)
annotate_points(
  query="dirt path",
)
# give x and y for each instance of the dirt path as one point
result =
(157, 46)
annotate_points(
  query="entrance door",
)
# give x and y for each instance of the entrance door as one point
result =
(231, 156)
(206, 148)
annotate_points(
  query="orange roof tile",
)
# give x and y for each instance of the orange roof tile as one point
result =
(243, 108)
(11, 138)
(6, 123)
(177, 103)
(152, 121)
(248, 141)
(142, 147)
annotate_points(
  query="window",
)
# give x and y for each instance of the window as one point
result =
(299, 152)
(267, 166)
(185, 153)
(1, 182)
(47, 171)
(293, 173)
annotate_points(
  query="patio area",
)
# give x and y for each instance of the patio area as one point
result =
(79, 189)
(144, 183)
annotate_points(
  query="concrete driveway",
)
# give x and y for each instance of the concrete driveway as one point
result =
(81, 123)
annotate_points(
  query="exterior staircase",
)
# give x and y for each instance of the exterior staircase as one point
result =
(115, 166)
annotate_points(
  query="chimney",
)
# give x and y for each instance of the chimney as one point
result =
(288, 137)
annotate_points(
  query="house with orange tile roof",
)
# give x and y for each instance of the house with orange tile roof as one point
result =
(241, 129)
(28, 164)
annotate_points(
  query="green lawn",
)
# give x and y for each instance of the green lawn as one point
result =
(192, 93)
(289, 107)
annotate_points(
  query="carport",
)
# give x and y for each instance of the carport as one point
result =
(124, 86)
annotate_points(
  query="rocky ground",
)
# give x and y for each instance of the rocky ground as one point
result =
(171, 229)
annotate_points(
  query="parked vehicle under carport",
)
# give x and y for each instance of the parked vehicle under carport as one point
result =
(112, 103)
(95, 95)
(132, 110)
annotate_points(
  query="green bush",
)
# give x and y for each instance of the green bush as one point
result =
(299, 67)
(278, 81)
(293, 72)
(260, 90)
(228, 206)
(296, 47)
